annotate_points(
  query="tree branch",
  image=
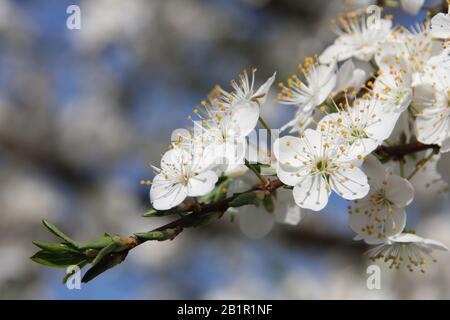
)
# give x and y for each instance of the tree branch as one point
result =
(107, 251)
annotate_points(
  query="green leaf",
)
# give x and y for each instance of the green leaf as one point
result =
(157, 235)
(155, 213)
(55, 247)
(105, 251)
(98, 243)
(268, 204)
(244, 199)
(58, 260)
(53, 229)
(106, 263)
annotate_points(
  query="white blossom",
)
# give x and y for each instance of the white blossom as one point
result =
(406, 250)
(411, 49)
(363, 126)
(182, 174)
(320, 81)
(393, 85)
(314, 167)
(381, 214)
(359, 37)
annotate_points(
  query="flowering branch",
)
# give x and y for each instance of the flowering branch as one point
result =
(108, 251)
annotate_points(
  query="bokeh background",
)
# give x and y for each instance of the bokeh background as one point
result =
(83, 112)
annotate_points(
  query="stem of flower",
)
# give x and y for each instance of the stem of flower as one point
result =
(421, 164)
(266, 126)
(256, 172)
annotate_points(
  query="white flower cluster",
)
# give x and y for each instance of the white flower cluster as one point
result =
(376, 86)
(411, 81)
(213, 147)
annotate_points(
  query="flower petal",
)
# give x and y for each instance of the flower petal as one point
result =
(261, 93)
(201, 184)
(312, 192)
(349, 182)
(166, 194)
(399, 190)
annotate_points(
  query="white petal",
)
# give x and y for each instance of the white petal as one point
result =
(288, 175)
(376, 224)
(255, 222)
(287, 150)
(165, 194)
(385, 122)
(399, 190)
(349, 76)
(349, 182)
(201, 184)
(440, 26)
(312, 193)
(261, 93)
(375, 169)
(173, 159)
(362, 147)
(436, 245)
(432, 129)
(336, 52)
(245, 115)
(407, 238)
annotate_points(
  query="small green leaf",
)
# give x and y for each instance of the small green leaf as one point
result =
(244, 199)
(268, 204)
(58, 260)
(155, 213)
(106, 263)
(53, 229)
(113, 246)
(157, 235)
(98, 243)
(55, 247)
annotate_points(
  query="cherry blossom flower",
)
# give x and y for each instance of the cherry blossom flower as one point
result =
(406, 250)
(411, 49)
(315, 167)
(363, 126)
(320, 81)
(394, 83)
(182, 175)
(359, 37)
(381, 214)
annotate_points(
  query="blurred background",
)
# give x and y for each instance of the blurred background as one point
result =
(83, 112)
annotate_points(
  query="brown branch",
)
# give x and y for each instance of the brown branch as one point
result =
(399, 151)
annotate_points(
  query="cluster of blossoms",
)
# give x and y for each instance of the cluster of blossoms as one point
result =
(377, 85)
